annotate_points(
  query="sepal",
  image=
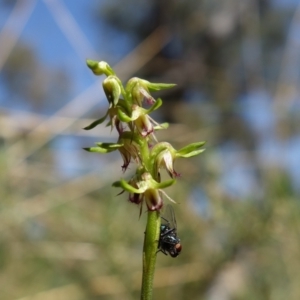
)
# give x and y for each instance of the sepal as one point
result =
(104, 147)
(191, 150)
(96, 123)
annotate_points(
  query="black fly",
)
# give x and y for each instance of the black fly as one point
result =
(169, 241)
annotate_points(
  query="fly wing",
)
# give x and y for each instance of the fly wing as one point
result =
(168, 217)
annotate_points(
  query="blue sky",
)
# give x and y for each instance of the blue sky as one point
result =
(91, 39)
(94, 39)
(44, 33)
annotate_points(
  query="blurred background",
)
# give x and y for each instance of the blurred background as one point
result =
(65, 234)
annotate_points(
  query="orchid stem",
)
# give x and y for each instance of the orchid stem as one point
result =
(149, 253)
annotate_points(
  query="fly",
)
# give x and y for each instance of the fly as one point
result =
(168, 240)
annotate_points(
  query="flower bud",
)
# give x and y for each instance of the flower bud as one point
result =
(100, 68)
(112, 89)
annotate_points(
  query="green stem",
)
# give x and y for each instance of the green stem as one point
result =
(149, 253)
(144, 148)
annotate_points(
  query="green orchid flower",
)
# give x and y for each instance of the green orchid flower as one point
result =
(145, 188)
(163, 155)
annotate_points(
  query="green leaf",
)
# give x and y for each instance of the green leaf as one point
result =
(95, 123)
